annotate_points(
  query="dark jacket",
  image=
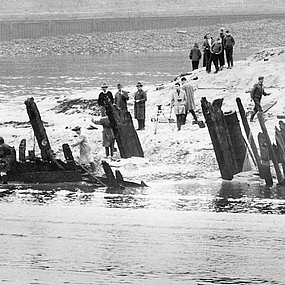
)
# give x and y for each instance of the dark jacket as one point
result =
(121, 100)
(195, 54)
(105, 98)
(139, 108)
(216, 48)
(257, 91)
(229, 41)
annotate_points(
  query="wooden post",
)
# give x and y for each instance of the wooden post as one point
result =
(220, 137)
(265, 160)
(281, 147)
(237, 139)
(271, 151)
(39, 130)
(249, 134)
(125, 133)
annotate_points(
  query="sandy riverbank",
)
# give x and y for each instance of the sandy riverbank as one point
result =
(168, 154)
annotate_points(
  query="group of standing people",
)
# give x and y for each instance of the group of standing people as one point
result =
(119, 101)
(214, 50)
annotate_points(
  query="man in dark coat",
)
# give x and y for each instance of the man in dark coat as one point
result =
(103, 99)
(208, 41)
(139, 108)
(256, 94)
(228, 44)
(222, 54)
(216, 50)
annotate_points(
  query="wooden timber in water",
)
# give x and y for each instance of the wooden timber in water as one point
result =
(48, 169)
(226, 137)
(125, 133)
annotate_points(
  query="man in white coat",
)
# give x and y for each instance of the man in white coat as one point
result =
(178, 102)
(190, 103)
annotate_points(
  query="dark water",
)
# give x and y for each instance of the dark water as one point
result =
(172, 232)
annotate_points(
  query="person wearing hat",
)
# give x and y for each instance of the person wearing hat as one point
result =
(104, 98)
(178, 102)
(121, 98)
(190, 102)
(86, 156)
(139, 108)
(256, 94)
(6, 157)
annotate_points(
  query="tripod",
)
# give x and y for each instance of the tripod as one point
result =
(156, 120)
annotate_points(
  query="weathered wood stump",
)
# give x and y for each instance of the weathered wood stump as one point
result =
(230, 161)
(125, 133)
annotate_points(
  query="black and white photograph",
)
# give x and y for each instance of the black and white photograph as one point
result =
(142, 142)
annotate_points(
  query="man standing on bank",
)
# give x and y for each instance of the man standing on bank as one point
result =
(256, 94)
(178, 101)
(104, 97)
(190, 103)
(121, 98)
(228, 45)
(139, 108)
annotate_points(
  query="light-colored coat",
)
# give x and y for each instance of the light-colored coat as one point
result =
(178, 101)
(85, 149)
(189, 90)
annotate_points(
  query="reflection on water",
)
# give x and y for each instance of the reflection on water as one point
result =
(236, 197)
(174, 232)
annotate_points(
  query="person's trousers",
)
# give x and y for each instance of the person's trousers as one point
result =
(141, 124)
(195, 65)
(179, 119)
(185, 116)
(229, 56)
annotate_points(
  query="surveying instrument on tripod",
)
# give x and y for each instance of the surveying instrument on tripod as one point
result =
(158, 114)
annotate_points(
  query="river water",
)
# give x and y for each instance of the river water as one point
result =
(172, 232)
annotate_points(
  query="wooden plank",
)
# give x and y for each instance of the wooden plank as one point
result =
(220, 137)
(237, 139)
(126, 136)
(22, 150)
(265, 160)
(269, 145)
(249, 134)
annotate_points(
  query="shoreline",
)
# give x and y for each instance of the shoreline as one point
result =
(262, 34)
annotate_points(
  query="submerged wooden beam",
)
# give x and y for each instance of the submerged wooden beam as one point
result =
(249, 134)
(269, 145)
(265, 160)
(220, 137)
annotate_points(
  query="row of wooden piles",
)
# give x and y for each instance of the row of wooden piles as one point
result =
(233, 150)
